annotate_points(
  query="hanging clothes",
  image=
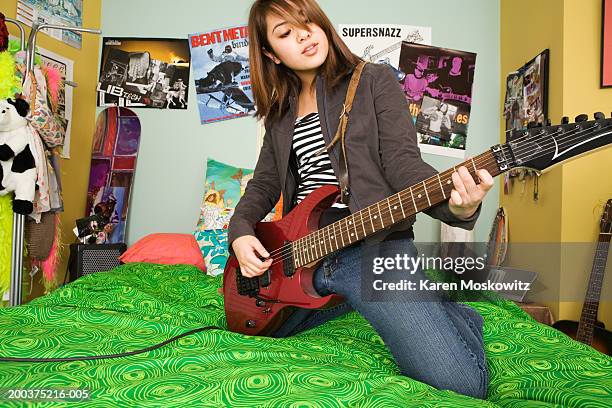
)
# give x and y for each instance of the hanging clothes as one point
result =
(46, 132)
(42, 118)
(42, 202)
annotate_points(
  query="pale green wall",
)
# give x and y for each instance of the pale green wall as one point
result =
(168, 185)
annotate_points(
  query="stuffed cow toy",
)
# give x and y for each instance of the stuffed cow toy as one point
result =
(18, 170)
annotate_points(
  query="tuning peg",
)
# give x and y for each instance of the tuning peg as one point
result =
(581, 118)
(564, 120)
(599, 116)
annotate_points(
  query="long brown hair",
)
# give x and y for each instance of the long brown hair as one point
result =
(272, 83)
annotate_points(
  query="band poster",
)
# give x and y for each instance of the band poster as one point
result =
(144, 72)
(438, 88)
(221, 73)
(380, 43)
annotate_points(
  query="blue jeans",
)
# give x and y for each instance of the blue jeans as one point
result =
(436, 342)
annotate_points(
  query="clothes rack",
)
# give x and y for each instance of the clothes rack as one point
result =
(15, 294)
(21, 32)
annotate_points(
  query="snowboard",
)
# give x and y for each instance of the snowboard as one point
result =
(113, 162)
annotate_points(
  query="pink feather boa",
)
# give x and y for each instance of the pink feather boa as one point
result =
(54, 81)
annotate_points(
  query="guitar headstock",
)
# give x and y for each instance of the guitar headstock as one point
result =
(606, 219)
(540, 147)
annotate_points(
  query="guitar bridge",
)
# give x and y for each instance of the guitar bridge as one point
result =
(250, 286)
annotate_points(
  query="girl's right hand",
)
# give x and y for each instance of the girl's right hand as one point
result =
(246, 248)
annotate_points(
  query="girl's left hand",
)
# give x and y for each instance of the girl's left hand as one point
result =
(466, 194)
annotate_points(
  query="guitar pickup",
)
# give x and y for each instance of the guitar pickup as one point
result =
(247, 286)
(265, 280)
(288, 265)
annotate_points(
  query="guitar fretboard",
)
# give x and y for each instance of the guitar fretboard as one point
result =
(590, 308)
(385, 213)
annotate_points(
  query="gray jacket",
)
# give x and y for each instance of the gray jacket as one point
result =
(381, 146)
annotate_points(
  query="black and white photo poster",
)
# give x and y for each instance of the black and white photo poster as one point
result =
(144, 72)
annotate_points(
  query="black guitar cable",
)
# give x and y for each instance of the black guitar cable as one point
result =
(130, 353)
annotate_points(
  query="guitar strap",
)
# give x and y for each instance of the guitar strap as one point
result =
(343, 177)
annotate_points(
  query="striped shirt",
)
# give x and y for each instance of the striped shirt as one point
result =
(314, 167)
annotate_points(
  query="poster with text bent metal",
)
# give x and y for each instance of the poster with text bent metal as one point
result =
(221, 73)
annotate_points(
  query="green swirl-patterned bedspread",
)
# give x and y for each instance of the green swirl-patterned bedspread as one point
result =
(341, 363)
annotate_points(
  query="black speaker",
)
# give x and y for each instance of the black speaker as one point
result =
(90, 258)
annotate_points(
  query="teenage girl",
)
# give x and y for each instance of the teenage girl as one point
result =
(300, 69)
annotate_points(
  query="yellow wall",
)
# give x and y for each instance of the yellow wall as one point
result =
(571, 195)
(524, 35)
(585, 191)
(74, 171)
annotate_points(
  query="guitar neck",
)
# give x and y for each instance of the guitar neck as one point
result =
(538, 148)
(385, 213)
(386, 51)
(588, 317)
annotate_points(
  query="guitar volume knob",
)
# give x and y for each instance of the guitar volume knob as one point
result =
(250, 324)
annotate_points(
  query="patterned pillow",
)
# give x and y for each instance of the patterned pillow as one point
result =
(213, 244)
(223, 188)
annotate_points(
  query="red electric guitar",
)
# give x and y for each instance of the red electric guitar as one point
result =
(259, 305)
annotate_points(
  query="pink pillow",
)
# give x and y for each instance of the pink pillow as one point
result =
(166, 248)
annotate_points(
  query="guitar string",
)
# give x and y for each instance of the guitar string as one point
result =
(312, 241)
(429, 185)
(310, 237)
(518, 152)
(569, 132)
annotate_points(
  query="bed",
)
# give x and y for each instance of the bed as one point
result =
(338, 364)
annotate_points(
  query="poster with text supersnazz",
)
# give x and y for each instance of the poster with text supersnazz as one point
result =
(381, 43)
(221, 73)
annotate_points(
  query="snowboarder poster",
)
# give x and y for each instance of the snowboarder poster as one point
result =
(221, 72)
